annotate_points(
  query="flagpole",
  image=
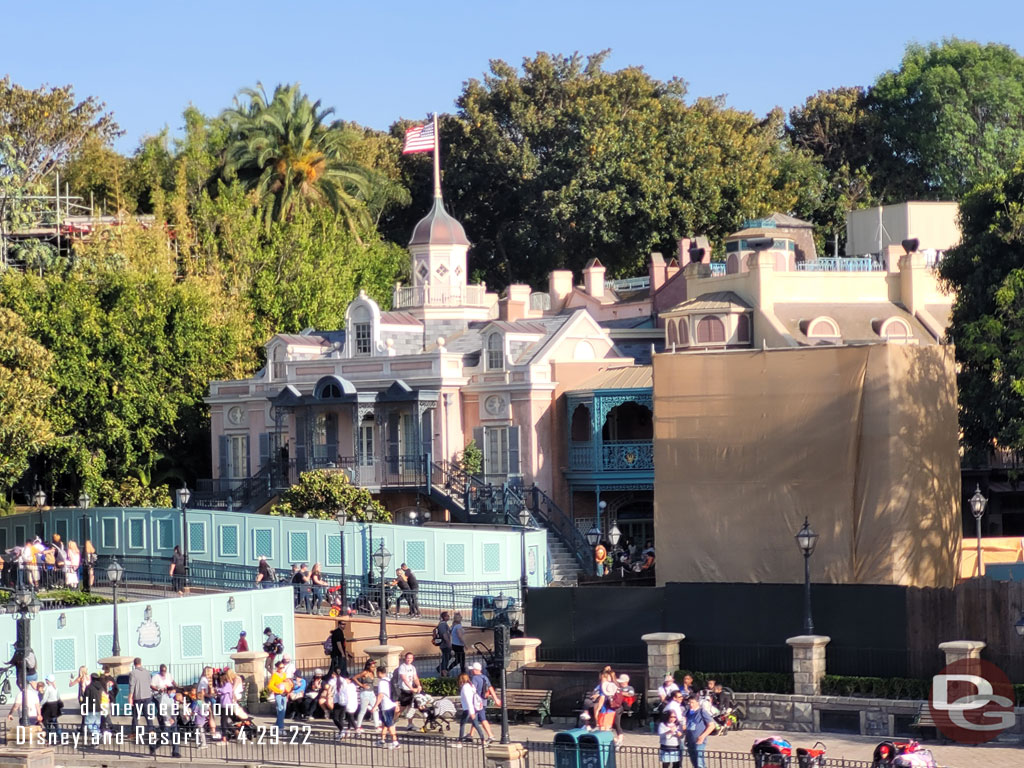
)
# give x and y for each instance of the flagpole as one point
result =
(437, 160)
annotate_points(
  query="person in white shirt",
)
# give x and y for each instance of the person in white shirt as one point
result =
(670, 733)
(407, 689)
(289, 666)
(666, 688)
(472, 706)
(32, 708)
(161, 681)
(386, 707)
(50, 704)
(675, 704)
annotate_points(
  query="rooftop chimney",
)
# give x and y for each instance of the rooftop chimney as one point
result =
(559, 288)
(657, 271)
(593, 278)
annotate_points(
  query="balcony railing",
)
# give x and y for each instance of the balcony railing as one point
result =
(717, 268)
(615, 456)
(630, 283)
(440, 296)
(839, 265)
(540, 301)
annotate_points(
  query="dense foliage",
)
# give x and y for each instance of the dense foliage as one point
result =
(321, 494)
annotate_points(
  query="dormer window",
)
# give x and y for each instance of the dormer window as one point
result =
(824, 330)
(895, 330)
(495, 352)
(364, 338)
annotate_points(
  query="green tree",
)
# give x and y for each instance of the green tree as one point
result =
(986, 271)
(24, 397)
(41, 129)
(563, 161)
(282, 149)
(321, 494)
(951, 117)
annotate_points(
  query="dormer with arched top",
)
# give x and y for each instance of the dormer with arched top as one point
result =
(362, 327)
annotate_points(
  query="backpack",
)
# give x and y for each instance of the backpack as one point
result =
(396, 685)
(435, 637)
(328, 645)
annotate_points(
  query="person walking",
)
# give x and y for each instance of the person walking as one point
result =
(384, 705)
(442, 638)
(272, 646)
(408, 687)
(92, 705)
(699, 725)
(177, 572)
(279, 686)
(167, 724)
(140, 695)
(414, 590)
(27, 698)
(472, 706)
(365, 682)
(458, 644)
(89, 559)
(50, 704)
(670, 736)
(265, 575)
(226, 700)
(404, 593)
(339, 657)
(318, 586)
(71, 565)
(482, 685)
(242, 646)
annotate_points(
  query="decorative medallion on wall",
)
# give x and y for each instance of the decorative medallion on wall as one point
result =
(149, 630)
(494, 405)
(235, 414)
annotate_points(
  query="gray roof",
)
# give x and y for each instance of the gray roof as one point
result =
(716, 301)
(397, 317)
(857, 322)
(783, 220)
(470, 341)
(438, 228)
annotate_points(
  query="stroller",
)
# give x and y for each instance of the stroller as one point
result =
(362, 604)
(727, 718)
(811, 758)
(241, 723)
(336, 603)
(902, 754)
(773, 750)
(439, 713)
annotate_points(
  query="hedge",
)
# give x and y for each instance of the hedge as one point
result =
(440, 686)
(875, 687)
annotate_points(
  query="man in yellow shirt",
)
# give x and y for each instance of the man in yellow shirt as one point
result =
(280, 686)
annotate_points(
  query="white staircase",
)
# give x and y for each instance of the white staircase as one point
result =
(564, 568)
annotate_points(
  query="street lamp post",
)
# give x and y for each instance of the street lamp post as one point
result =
(978, 504)
(342, 517)
(183, 496)
(601, 507)
(501, 617)
(807, 539)
(1019, 626)
(40, 500)
(614, 537)
(25, 605)
(381, 559)
(593, 538)
(524, 584)
(115, 572)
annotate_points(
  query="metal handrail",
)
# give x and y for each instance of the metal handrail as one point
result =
(559, 523)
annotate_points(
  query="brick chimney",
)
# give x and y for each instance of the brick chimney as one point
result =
(593, 279)
(559, 288)
(515, 304)
(671, 269)
(657, 270)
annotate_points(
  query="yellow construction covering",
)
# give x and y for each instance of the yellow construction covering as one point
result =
(994, 550)
(862, 440)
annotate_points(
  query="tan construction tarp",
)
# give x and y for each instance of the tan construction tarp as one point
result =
(861, 440)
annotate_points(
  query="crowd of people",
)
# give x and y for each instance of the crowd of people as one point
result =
(49, 564)
(687, 719)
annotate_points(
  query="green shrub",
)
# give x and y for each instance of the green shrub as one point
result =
(74, 597)
(743, 682)
(875, 687)
(440, 686)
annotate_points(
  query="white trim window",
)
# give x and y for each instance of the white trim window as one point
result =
(495, 352)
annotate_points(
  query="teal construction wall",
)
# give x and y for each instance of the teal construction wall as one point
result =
(447, 553)
(178, 631)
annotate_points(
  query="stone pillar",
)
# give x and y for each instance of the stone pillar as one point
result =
(117, 665)
(24, 756)
(506, 755)
(522, 653)
(808, 663)
(252, 665)
(385, 655)
(959, 650)
(662, 655)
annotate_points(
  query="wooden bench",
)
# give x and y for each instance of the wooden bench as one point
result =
(925, 720)
(527, 701)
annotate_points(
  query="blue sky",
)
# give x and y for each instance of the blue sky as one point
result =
(375, 62)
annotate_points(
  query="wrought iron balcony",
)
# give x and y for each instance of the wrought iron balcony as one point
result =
(614, 456)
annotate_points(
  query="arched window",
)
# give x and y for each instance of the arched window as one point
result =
(579, 432)
(781, 261)
(495, 353)
(824, 329)
(732, 264)
(584, 351)
(628, 422)
(362, 330)
(896, 330)
(673, 333)
(743, 329)
(710, 330)
(684, 335)
(330, 391)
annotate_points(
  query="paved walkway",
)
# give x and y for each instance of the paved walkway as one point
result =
(843, 746)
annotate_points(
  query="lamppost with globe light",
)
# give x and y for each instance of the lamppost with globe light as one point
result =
(978, 504)
(183, 496)
(593, 539)
(807, 539)
(500, 617)
(25, 605)
(40, 500)
(115, 573)
(381, 559)
(524, 523)
(1019, 626)
(614, 537)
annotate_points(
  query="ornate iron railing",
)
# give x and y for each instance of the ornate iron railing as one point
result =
(717, 268)
(626, 456)
(839, 265)
(581, 456)
(630, 283)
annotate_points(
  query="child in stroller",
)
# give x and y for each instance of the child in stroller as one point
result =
(717, 700)
(336, 602)
(439, 714)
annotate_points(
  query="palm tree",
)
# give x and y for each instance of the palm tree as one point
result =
(282, 149)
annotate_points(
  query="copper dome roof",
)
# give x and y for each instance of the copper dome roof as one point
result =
(438, 228)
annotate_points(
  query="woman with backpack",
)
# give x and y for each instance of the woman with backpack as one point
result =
(472, 707)
(442, 638)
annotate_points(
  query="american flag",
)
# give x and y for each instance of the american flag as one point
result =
(419, 138)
